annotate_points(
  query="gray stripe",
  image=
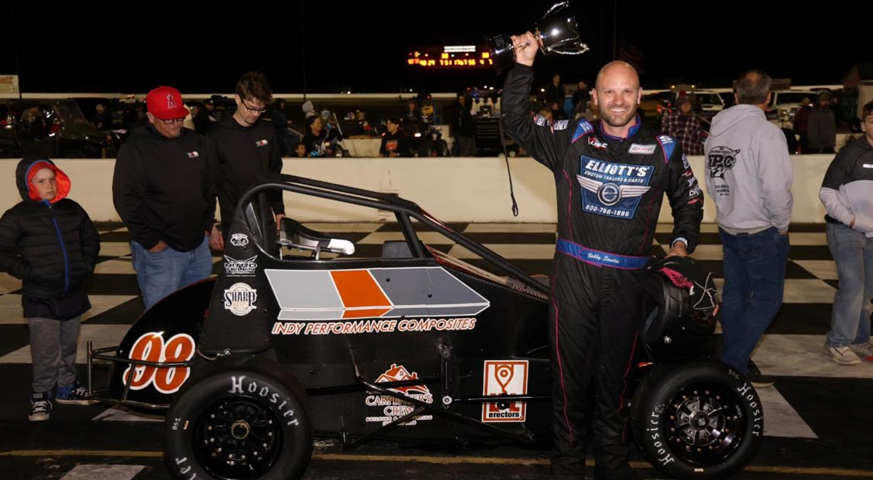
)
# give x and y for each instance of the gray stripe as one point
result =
(304, 289)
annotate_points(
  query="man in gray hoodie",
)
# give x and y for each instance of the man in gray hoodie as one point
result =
(748, 175)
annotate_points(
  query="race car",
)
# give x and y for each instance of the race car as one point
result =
(300, 336)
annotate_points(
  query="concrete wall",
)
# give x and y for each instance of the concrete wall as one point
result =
(452, 189)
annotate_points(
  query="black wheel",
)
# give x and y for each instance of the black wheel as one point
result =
(247, 422)
(701, 420)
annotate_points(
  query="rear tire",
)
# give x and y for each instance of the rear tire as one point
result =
(701, 420)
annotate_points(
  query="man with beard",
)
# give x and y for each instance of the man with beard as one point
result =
(610, 179)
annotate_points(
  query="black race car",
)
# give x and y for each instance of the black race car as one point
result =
(298, 338)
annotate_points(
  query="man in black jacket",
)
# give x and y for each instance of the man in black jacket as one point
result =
(610, 179)
(246, 148)
(462, 128)
(164, 191)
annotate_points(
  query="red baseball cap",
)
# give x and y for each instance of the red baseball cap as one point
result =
(166, 103)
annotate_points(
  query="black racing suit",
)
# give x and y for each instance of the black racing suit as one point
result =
(609, 193)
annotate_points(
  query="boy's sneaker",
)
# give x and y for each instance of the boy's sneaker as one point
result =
(40, 407)
(74, 394)
(842, 355)
(863, 350)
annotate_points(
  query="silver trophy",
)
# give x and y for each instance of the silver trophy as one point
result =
(557, 32)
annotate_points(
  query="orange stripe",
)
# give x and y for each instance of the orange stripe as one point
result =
(369, 313)
(358, 289)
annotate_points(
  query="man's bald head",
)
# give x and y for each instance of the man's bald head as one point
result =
(617, 67)
(753, 88)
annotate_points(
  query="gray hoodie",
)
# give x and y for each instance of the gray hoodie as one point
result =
(748, 171)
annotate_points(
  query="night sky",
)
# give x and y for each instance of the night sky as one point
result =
(363, 46)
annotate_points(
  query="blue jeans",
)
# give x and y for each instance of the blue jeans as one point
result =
(853, 254)
(160, 274)
(754, 279)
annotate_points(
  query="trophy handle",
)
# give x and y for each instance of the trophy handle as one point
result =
(572, 48)
(556, 6)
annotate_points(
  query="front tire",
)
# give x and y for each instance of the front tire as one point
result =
(701, 420)
(241, 423)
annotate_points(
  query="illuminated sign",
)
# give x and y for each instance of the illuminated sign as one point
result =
(459, 48)
(451, 56)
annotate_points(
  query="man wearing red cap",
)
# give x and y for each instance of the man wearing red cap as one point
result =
(164, 191)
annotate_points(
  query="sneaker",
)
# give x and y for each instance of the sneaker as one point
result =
(74, 394)
(756, 378)
(863, 350)
(40, 407)
(842, 355)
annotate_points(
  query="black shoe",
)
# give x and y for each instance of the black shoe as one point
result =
(758, 379)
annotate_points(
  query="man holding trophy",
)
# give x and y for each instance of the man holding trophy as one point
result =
(610, 178)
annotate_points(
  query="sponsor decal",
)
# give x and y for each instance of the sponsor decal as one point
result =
(613, 189)
(372, 293)
(720, 160)
(240, 268)
(150, 347)
(505, 377)
(723, 190)
(392, 409)
(561, 125)
(242, 385)
(665, 140)
(694, 192)
(540, 120)
(193, 154)
(747, 394)
(239, 240)
(240, 299)
(594, 142)
(636, 149)
(582, 128)
(261, 143)
(692, 181)
(685, 163)
(375, 326)
(664, 457)
(867, 165)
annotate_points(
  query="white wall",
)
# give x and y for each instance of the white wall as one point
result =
(451, 189)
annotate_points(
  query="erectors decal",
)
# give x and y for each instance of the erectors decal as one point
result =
(613, 189)
(150, 347)
(504, 377)
(375, 293)
(240, 299)
(240, 268)
(392, 409)
(239, 240)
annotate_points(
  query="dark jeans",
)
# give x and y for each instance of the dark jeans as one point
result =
(754, 279)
